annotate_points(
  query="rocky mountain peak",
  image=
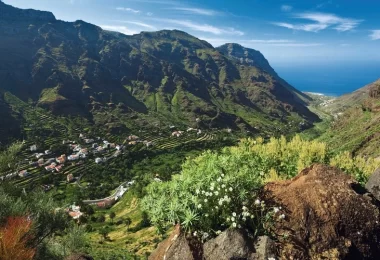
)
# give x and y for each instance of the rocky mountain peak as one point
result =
(8, 12)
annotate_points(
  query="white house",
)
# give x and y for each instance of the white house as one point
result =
(98, 160)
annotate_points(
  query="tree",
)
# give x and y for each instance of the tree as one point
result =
(128, 222)
(101, 218)
(112, 216)
(104, 232)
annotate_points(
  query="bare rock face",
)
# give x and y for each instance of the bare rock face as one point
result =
(373, 184)
(328, 216)
(236, 244)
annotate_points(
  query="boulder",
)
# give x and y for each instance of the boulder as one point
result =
(176, 247)
(236, 244)
(230, 245)
(373, 184)
(328, 215)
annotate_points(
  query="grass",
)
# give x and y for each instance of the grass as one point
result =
(123, 239)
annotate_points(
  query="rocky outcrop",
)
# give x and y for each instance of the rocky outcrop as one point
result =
(176, 247)
(328, 216)
(231, 244)
(236, 244)
(373, 184)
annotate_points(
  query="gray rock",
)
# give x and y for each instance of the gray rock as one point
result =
(236, 244)
(373, 184)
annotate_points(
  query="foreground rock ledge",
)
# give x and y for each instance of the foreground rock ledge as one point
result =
(328, 216)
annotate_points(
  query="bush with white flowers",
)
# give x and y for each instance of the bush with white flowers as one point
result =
(214, 192)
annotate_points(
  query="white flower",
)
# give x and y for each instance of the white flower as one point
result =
(275, 209)
(218, 232)
(223, 186)
(222, 175)
(216, 193)
(282, 216)
(257, 202)
(220, 202)
(244, 218)
(206, 215)
(212, 188)
(195, 233)
(216, 207)
(205, 200)
(244, 208)
(218, 189)
(230, 189)
(203, 192)
(228, 219)
(199, 206)
(212, 184)
(234, 224)
(234, 214)
(232, 219)
(197, 191)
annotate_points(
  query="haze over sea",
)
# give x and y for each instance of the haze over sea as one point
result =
(332, 79)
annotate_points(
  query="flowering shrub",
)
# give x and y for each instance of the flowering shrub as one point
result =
(214, 192)
(220, 190)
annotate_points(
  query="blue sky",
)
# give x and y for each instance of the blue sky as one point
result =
(286, 32)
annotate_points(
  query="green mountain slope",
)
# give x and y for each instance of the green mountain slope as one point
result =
(167, 76)
(356, 127)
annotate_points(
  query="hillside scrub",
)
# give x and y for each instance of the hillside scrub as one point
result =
(218, 190)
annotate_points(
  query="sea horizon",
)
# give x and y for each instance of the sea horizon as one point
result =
(332, 79)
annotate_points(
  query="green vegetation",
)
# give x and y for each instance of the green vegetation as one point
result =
(212, 190)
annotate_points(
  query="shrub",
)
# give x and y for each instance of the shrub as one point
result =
(218, 190)
(14, 237)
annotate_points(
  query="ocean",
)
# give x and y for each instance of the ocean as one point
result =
(330, 79)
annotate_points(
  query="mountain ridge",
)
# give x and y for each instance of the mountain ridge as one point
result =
(77, 68)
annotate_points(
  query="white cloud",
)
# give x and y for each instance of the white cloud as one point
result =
(141, 24)
(254, 43)
(196, 11)
(297, 44)
(149, 14)
(121, 29)
(322, 21)
(271, 41)
(204, 27)
(127, 9)
(286, 8)
(375, 35)
(345, 45)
